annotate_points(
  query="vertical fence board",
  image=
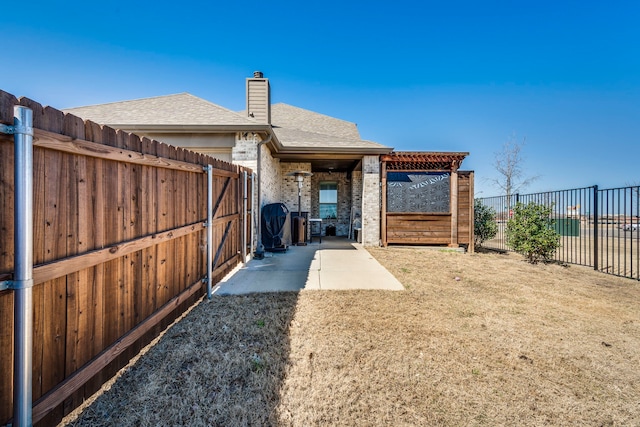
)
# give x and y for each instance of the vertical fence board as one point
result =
(173, 260)
(95, 240)
(54, 334)
(40, 225)
(180, 217)
(50, 300)
(148, 224)
(51, 303)
(162, 225)
(6, 355)
(7, 101)
(134, 195)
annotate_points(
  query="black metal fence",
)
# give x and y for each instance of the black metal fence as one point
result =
(597, 228)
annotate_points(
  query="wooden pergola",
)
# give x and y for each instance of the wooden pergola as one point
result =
(452, 228)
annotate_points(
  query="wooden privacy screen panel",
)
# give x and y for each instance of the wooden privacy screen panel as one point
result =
(418, 192)
(119, 249)
(465, 209)
(426, 200)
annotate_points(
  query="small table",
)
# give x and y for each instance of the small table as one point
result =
(312, 225)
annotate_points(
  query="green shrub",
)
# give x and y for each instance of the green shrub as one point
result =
(530, 232)
(485, 226)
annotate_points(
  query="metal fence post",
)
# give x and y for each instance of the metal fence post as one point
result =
(23, 267)
(209, 224)
(244, 217)
(253, 212)
(595, 228)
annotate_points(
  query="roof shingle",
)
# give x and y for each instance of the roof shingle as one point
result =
(178, 109)
(288, 116)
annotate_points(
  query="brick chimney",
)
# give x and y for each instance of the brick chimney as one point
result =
(259, 98)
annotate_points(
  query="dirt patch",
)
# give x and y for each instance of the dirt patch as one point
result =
(481, 339)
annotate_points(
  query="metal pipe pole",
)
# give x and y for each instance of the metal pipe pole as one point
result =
(244, 217)
(259, 253)
(23, 267)
(253, 211)
(209, 231)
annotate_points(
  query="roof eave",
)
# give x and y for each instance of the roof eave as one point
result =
(149, 128)
(284, 150)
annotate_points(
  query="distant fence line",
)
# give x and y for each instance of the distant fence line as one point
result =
(598, 228)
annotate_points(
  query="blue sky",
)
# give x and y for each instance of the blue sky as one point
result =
(414, 75)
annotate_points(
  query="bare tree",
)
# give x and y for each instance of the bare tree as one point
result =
(509, 163)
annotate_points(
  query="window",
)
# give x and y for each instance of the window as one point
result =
(329, 200)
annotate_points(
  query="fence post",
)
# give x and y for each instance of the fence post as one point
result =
(23, 267)
(244, 217)
(253, 212)
(596, 231)
(209, 169)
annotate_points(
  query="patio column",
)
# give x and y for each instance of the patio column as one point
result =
(371, 201)
(383, 215)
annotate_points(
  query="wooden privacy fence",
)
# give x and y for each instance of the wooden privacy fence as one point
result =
(120, 245)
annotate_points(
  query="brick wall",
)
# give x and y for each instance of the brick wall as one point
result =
(270, 183)
(245, 153)
(371, 201)
(356, 198)
(344, 201)
(290, 187)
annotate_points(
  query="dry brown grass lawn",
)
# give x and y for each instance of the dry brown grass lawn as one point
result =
(507, 344)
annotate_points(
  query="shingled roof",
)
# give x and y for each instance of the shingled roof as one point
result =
(305, 130)
(178, 109)
(295, 129)
(288, 116)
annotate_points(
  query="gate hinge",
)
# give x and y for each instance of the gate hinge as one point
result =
(15, 284)
(13, 130)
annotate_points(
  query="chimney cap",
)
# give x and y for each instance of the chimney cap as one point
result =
(258, 75)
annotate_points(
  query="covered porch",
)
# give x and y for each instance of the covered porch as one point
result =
(330, 196)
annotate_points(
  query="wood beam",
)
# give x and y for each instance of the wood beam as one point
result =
(383, 215)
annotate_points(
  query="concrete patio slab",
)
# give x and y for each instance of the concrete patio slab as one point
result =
(335, 264)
